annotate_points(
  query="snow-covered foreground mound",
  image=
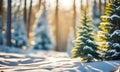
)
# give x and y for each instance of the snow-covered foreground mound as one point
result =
(43, 61)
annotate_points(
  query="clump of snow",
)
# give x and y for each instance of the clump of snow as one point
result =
(89, 42)
(90, 57)
(87, 49)
(116, 33)
(114, 17)
(116, 46)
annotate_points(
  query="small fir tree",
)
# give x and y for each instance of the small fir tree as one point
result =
(109, 36)
(19, 34)
(84, 45)
(42, 36)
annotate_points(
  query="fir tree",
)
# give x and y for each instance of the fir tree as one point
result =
(42, 36)
(109, 36)
(84, 45)
(19, 34)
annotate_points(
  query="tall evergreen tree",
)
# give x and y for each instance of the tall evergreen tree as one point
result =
(109, 36)
(84, 46)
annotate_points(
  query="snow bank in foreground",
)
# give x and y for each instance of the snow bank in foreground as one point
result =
(51, 62)
(48, 61)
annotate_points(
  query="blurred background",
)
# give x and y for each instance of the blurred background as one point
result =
(44, 24)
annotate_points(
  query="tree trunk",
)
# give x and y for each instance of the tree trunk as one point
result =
(8, 33)
(100, 9)
(57, 27)
(81, 3)
(1, 11)
(25, 12)
(29, 18)
(16, 13)
(74, 18)
(1, 7)
(87, 4)
(105, 4)
(39, 4)
(44, 4)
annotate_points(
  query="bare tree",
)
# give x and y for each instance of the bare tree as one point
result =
(87, 4)
(105, 1)
(1, 12)
(17, 11)
(40, 3)
(57, 26)
(1, 6)
(8, 33)
(74, 16)
(25, 11)
(100, 4)
(105, 4)
(81, 3)
(29, 18)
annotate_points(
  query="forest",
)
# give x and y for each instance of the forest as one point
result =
(60, 35)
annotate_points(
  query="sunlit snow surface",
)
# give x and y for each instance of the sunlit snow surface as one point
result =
(48, 61)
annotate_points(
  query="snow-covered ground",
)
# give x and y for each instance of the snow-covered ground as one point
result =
(48, 61)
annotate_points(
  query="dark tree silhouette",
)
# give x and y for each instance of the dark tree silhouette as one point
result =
(29, 18)
(100, 9)
(40, 3)
(87, 3)
(1, 6)
(105, 2)
(57, 28)
(81, 3)
(8, 33)
(74, 16)
(25, 11)
(1, 11)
